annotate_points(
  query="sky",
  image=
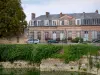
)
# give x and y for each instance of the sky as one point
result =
(39, 7)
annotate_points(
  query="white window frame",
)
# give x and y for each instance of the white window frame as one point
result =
(77, 22)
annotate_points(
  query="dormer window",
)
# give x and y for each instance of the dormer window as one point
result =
(62, 22)
(39, 23)
(70, 22)
(78, 22)
(54, 23)
(46, 22)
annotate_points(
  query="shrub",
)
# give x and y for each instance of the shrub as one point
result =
(77, 39)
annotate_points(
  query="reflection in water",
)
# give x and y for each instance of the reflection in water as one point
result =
(35, 72)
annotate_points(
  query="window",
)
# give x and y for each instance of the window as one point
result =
(70, 22)
(93, 21)
(47, 22)
(39, 23)
(84, 22)
(85, 32)
(50, 22)
(78, 34)
(54, 23)
(42, 23)
(31, 35)
(99, 21)
(62, 22)
(85, 36)
(35, 23)
(32, 23)
(78, 22)
(70, 34)
(98, 35)
(47, 36)
(94, 35)
(54, 35)
(39, 35)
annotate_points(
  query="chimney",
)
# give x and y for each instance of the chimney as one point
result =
(96, 11)
(61, 14)
(32, 15)
(47, 14)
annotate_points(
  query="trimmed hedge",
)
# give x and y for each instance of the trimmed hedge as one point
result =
(28, 52)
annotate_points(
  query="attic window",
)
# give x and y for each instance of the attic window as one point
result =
(46, 22)
(54, 23)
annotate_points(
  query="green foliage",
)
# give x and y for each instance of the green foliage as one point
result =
(28, 52)
(45, 51)
(12, 18)
(75, 52)
(77, 39)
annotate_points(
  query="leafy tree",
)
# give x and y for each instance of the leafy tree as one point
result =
(12, 18)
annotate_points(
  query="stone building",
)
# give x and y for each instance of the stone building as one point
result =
(64, 26)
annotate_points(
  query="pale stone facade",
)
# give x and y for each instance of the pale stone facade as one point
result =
(65, 29)
(64, 26)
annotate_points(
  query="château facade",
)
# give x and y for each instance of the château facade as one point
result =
(64, 26)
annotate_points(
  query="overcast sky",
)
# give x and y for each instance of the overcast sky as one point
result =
(39, 7)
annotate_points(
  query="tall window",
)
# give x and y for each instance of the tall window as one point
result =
(70, 22)
(98, 35)
(31, 35)
(35, 23)
(70, 34)
(39, 23)
(39, 35)
(99, 21)
(63, 22)
(94, 34)
(78, 34)
(47, 36)
(85, 36)
(78, 22)
(50, 22)
(54, 36)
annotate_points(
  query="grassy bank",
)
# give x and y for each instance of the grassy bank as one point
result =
(36, 52)
(75, 52)
(27, 52)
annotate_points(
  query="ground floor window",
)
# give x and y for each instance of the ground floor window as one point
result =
(94, 35)
(47, 36)
(69, 35)
(54, 35)
(39, 35)
(85, 38)
(77, 33)
(62, 36)
(98, 35)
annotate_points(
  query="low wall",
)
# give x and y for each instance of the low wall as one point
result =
(53, 65)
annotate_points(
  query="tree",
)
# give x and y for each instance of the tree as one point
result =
(12, 18)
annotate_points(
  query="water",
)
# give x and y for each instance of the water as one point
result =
(35, 72)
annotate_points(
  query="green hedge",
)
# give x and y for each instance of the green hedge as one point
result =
(75, 52)
(29, 52)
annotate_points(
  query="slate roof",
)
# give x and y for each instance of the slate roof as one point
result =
(76, 15)
(85, 15)
(50, 17)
